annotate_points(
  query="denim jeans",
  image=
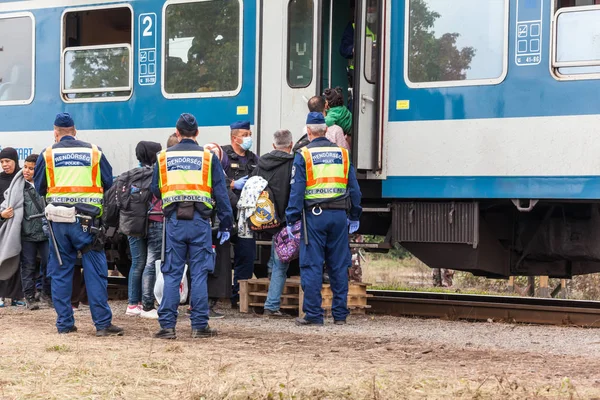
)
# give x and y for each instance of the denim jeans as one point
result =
(29, 253)
(154, 242)
(278, 277)
(142, 275)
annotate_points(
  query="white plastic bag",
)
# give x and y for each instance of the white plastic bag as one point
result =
(160, 283)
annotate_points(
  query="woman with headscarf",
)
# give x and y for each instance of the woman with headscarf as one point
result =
(9, 161)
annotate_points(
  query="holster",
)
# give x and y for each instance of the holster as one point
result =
(185, 210)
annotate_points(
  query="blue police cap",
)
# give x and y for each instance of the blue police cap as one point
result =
(240, 125)
(187, 122)
(64, 120)
(315, 118)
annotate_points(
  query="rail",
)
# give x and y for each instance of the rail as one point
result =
(483, 308)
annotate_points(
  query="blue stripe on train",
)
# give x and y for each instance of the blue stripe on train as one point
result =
(148, 108)
(527, 91)
(492, 187)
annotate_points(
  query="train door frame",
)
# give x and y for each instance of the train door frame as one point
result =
(368, 107)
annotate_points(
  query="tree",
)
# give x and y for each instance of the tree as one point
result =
(102, 68)
(432, 59)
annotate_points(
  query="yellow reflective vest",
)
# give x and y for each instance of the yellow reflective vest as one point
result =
(73, 176)
(185, 176)
(327, 171)
(369, 34)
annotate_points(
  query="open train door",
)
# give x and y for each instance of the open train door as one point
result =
(367, 92)
(290, 58)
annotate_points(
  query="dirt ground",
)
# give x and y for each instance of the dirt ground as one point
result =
(258, 358)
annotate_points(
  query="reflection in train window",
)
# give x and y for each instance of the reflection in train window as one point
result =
(371, 44)
(16, 59)
(575, 3)
(203, 48)
(577, 51)
(300, 43)
(446, 45)
(97, 63)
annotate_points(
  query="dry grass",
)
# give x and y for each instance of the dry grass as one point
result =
(250, 361)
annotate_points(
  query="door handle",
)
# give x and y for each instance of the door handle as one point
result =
(363, 103)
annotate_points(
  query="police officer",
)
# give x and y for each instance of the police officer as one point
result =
(188, 178)
(75, 174)
(325, 188)
(240, 164)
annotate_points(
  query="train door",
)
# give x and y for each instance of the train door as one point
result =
(290, 58)
(367, 97)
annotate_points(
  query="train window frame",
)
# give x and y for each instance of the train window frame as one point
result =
(4, 103)
(287, 43)
(458, 83)
(554, 65)
(163, 56)
(64, 49)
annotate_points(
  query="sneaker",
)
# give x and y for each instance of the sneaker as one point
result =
(133, 310)
(203, 333)
(45, 299)
(168, 333)
(339, 322)
(274, 314)
(32, 304)
(212, 314)
(18, 303)
(72, 329)
(152, 314)
(305, 322)
(112, 330)
(1, 301)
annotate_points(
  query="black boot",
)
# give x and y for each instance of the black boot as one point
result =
(32, 304)
(203, 333)
(168, 333)
(112, 330)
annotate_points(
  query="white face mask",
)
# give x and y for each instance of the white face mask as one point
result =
(371, 18)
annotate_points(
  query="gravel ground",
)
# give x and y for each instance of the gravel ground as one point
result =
(373, 357)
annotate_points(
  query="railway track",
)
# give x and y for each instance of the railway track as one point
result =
(482, 308)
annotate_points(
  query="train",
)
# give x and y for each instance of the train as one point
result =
(474, 121)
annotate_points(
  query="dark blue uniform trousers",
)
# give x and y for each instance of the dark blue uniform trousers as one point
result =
(191, 240)
(327, 242)
(70, 238)
(243, 263)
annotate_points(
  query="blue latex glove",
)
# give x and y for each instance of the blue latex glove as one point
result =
(224, 236)
(289, 231)
(353, 226)
(239, 184)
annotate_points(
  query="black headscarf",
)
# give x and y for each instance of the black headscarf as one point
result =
(146, 152)
(6, 179)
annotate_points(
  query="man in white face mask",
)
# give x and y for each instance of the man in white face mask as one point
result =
(240, 164)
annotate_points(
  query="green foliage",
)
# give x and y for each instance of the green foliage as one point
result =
(434, 59)
(102, 68)
(398, 252)
(212, 60)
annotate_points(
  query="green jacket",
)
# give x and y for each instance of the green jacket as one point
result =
(31, 231)
(340, 116)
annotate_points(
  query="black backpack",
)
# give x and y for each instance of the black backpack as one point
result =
(110, 215)
(134, 200)
(265, 216)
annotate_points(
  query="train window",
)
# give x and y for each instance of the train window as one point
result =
(575, 3)
(576, 54)
(371, 53)
(300, 43)
(203, 48)
(447, 47)
(97, 62)
(17, 59)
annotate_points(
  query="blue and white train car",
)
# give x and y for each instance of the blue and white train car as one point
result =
(474, 120)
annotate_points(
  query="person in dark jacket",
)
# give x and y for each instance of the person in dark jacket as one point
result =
(276, 168)
(33, 241)
(9, 161)
(240, 163)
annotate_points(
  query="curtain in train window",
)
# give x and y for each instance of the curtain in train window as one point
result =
(300, 43)
(458, 40)
(16, 60)
(203, 47)
(577, 42)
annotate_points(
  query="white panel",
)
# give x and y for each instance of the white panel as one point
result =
(541, 146)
